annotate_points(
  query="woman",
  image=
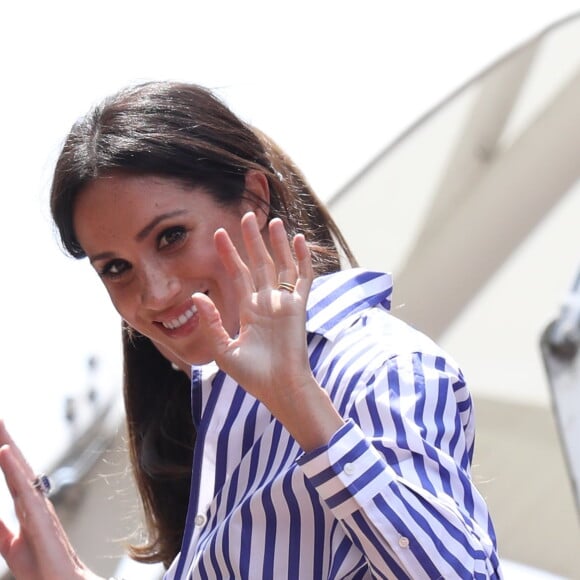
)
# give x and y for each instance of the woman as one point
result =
(321, 437)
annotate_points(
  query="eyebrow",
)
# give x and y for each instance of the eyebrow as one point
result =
(143, 233)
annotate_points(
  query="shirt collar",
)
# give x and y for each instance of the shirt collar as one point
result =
(335, 298)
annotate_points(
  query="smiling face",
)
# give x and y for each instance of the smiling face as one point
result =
(150, 239)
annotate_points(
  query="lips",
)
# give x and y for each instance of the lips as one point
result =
(180, 320)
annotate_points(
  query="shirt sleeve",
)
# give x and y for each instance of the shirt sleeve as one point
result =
(397, 474)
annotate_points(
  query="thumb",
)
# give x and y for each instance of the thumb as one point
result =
(6, 539)
(211, 324)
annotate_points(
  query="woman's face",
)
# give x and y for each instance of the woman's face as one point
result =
(150, 239)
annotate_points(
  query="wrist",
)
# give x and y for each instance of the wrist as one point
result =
(308, 415)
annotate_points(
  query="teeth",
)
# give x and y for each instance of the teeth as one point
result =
(180, 320)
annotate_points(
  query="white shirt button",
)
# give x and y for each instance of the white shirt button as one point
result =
(349, 468)
(404, 542)
(200, 520)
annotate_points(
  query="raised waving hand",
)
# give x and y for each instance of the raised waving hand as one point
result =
(269, 356)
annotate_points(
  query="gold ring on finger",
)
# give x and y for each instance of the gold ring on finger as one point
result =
(286, 286)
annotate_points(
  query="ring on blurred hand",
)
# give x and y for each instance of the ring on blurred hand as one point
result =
(42, 484)
(286, 286)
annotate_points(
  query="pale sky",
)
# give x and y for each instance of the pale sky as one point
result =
(334, 82)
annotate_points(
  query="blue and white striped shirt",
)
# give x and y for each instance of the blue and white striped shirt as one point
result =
(390, 496)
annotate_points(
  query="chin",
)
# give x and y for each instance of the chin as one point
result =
(197, 360)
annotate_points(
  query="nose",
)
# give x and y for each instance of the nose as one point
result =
(158, 288)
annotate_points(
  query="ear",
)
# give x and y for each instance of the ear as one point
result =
(259, 199)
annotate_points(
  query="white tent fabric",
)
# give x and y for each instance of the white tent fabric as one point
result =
(475, 209)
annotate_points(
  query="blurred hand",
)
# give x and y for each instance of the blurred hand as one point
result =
(40, 549)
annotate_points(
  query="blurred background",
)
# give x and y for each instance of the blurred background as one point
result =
(438, 133)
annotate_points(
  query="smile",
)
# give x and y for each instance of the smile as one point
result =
(180, 320)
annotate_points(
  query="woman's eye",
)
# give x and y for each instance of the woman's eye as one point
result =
(171, 236)
(114, 269)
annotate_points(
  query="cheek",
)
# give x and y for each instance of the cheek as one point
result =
(122, 305)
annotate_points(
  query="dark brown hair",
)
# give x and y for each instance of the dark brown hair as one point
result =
(181, 131)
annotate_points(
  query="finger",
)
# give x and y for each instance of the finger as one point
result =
(261, 264)
(6, 539)
(214, 332)
(26, 497)
(18, 554)
(305, 268)
(19, 478)
(233, 263)
(285, 262)
(6, 439)
(36, 514)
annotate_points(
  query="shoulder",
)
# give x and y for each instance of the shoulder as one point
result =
(336, 298)
(360, 343)
(354, 307)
